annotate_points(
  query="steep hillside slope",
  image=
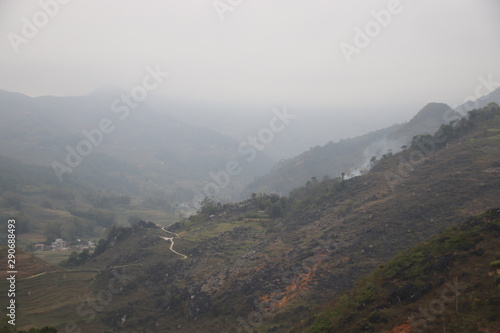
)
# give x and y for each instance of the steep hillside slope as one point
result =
(331, 159)
(264, 264)
(350, 156)
(450, 283)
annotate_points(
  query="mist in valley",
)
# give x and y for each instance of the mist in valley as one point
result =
(236, 166)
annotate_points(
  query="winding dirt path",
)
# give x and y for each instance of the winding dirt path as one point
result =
(33, 276)
(171, 239)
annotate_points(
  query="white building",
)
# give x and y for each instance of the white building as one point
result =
(59, 245)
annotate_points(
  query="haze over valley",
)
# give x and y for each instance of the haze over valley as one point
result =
(264, 166)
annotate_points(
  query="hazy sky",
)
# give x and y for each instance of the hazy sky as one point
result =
(273, 52)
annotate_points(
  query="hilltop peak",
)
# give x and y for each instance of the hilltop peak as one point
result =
(434, 111)
(428, 120)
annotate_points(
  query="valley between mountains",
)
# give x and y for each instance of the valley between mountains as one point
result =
(273, 263)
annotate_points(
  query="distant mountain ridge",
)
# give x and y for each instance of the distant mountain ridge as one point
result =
(350, 156)
(480, 102)
(146, 147)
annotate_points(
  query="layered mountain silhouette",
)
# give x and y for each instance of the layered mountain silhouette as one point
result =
(354, 156)
(266, 264)
(145, 147)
